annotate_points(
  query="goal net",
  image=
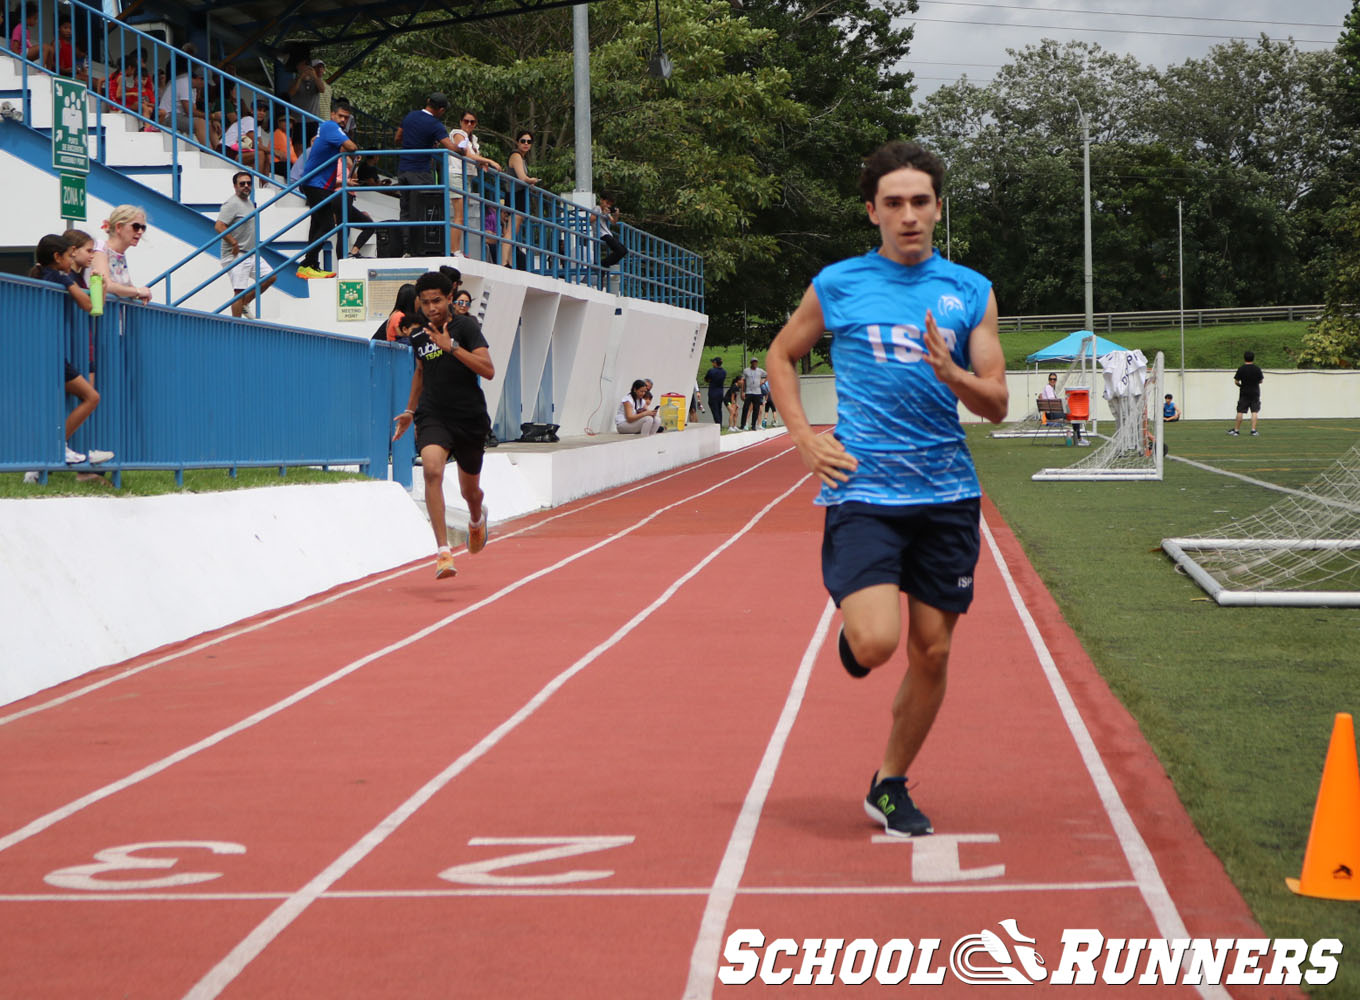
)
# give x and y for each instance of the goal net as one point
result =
(1133, 451)
(1080, 374)
(1303, 551)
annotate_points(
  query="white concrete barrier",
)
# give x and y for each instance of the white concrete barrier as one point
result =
(85, 582)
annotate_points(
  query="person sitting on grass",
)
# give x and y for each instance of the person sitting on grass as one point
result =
(1169, 412)
(53, 264)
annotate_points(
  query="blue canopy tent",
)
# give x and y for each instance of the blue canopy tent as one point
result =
(1068, 348)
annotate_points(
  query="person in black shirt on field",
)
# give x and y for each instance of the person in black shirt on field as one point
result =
(1248, 378)
(447, 406)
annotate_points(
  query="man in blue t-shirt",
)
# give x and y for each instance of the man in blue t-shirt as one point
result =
(902, 499)
(420, 131)
(321, 176)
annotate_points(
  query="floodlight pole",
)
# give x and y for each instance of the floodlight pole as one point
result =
(1180, 259)
(1086, 214)
(580, 54)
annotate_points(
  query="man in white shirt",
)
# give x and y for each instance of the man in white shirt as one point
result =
(178, 103)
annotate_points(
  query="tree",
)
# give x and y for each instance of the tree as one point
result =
(748, 155)
(1334, 341)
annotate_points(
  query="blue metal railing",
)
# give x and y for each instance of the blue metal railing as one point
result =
(554, 237)
(184, 390)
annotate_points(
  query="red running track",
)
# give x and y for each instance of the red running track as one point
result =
(616, 737)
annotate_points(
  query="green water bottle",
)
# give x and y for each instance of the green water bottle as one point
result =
(96, 295)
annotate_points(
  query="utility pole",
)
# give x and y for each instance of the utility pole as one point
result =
(1180, 256)
(1086, 212)
(580, 52)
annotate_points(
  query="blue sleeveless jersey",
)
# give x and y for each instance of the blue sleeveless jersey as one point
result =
(893, 414)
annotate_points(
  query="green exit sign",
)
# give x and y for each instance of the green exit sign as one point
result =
(73, 197)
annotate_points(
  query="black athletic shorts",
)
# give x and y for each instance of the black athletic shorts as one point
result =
(465, 444)
(927, 550)
(1249, 402)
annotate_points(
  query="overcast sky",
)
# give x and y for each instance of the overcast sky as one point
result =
(954, 37)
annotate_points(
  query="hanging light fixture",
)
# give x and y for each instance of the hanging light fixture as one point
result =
(660, 65)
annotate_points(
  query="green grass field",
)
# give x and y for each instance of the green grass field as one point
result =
(1238, 703)
(145, 484)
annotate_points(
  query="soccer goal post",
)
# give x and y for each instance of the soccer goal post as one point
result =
(1134, 450)
(1303, 551)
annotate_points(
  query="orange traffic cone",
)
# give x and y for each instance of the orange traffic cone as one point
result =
(1331, 864)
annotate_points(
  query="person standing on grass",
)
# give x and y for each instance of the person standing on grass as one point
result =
(1248, 379)
(901, 495)
(449, 411)
(716, 377)
(753, 376)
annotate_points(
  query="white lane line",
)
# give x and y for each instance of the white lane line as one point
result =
(221, 975)
(301, 609)
(75, 806)
(548, 893)
(703, 963)
(1141, 862)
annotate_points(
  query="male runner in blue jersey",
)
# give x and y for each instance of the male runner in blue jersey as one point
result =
(901, 495)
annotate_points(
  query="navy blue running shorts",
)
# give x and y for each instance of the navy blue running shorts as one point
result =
(927, 550)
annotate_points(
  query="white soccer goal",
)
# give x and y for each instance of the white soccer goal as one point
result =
(1080, 374)
(1301, 552)
(1134, 450)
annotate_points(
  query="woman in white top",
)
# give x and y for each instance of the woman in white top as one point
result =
(634, 416)
(463, 177)
(123, 228)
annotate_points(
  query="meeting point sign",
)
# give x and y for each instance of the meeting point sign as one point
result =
(1009, 957)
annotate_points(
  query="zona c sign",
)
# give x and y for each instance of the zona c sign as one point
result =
(73, 197)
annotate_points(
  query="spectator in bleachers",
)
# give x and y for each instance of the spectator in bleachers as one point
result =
(238, 246)
(71, 60)
(305, 93)
(517, 199)
(124, 229)
(54, 265)
(392, 328)
(420, 131)
(24, 38)
(286, 153)
(635, 414)
(322, 174)
(179, 103)
(614, 250)
(465, 203)
(365, 175)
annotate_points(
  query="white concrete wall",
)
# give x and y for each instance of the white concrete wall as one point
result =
(1207, 395)
(600, 342)
(85, 582)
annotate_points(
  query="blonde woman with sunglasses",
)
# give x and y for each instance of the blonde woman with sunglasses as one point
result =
(124, 229)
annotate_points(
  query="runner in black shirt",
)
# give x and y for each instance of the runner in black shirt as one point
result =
(449, 411)
(1248, 378)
